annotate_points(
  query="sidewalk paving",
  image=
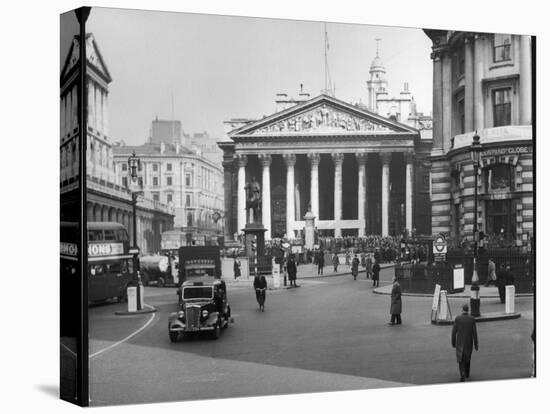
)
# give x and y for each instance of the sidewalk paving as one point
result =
(484, 292)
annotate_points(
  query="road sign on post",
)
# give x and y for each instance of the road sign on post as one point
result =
(440, 248)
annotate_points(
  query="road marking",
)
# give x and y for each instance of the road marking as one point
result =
(127, 338)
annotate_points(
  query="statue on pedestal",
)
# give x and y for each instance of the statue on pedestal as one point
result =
(253, 201)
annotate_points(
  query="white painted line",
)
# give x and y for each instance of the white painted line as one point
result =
(127, 338)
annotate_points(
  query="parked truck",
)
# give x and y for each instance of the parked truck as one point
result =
(160, 269)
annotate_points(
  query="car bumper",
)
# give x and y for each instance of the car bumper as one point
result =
(179, 326)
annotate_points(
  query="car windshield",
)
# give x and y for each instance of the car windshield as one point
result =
(197, 292)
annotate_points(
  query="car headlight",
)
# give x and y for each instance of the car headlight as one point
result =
(181, 314)
(204, 313)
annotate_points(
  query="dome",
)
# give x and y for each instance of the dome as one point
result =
(377, 65)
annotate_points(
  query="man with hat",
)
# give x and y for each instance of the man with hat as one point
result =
(463, 339)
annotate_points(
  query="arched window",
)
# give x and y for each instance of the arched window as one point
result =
(499, 177)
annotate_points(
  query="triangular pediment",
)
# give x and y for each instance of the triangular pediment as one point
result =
(322, 115)
(93, 56)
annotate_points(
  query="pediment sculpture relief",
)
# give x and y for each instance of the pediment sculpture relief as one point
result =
(323, 119)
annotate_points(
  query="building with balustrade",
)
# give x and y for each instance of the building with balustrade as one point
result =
(181, 178)
(106, 200)
(482, 83)
(358, 172)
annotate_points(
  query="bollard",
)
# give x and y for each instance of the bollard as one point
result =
(475, 302)
(510, 299)
(131, 292)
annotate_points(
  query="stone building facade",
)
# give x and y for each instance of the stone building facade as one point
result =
(483, 84)
(359, 173)
(178, 177)
(106, 200)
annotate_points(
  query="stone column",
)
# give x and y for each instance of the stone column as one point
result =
(447, 97)
(386, 158)
(338, 159)
(409, 157)
(437, 147)
(241, 192)
(479, 121)
(468, 84)
(314, 160)
(227, 194)
(290, 160)
(525, 80)
(266, 194)
(361, 192)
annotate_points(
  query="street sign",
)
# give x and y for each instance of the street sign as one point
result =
(440, 245)
(133, 250)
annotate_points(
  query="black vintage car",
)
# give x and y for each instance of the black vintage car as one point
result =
(203, 307)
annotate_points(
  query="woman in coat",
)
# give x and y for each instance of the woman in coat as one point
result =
(335, 262)
(292, 270)
(395, 308)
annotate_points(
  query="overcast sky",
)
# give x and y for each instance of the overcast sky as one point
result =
(222, 67)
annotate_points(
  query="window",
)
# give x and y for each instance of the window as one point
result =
(188, 200)
(155, 167)
(188, 180)
(501, 219)
(502, 47)
(169, 167)
(155, 181)
(110, 234)
(189, 220)
(499, 177)
(156, 196)
(460, 62)
(502, 114)
(125, 181)
(168, 180)
(168, 198)
(124, 166)
(461, 125)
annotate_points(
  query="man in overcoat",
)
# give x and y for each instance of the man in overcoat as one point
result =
(464, 339)
(355, 267)
(502, 277)
(376, 275)
(292, 270)
(320, 262)
(395, 308)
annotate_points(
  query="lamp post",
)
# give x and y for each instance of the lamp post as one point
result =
(474, 289)
(216, 217)
(134, 164)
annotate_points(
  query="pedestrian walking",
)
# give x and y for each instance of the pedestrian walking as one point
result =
(355, 267)
(348, 258)
(335, 262)
(236, 268)
(376, 275)
(491, 272)
(320, 262)
(369, 266)
(395, 308)
(464, 339)
(363, 260)
(292, 270)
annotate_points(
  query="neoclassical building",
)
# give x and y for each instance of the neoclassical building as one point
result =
(358, 172)
(106, 200)
(482, 83)
(183, 179)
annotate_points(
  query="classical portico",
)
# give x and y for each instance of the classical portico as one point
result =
(351, 168)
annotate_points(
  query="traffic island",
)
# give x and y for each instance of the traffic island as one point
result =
(487, 317)
(145, 310)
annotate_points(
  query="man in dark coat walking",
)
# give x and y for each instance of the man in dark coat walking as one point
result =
(320, 262)
(464, 338)
(292, 270)
(376, 275)
(502, 279)
(355, 267)
(395, 308)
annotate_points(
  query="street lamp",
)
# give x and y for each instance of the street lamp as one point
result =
(134, 164)
(474, 289)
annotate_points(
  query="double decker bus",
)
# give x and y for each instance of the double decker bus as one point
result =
(110, 265)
